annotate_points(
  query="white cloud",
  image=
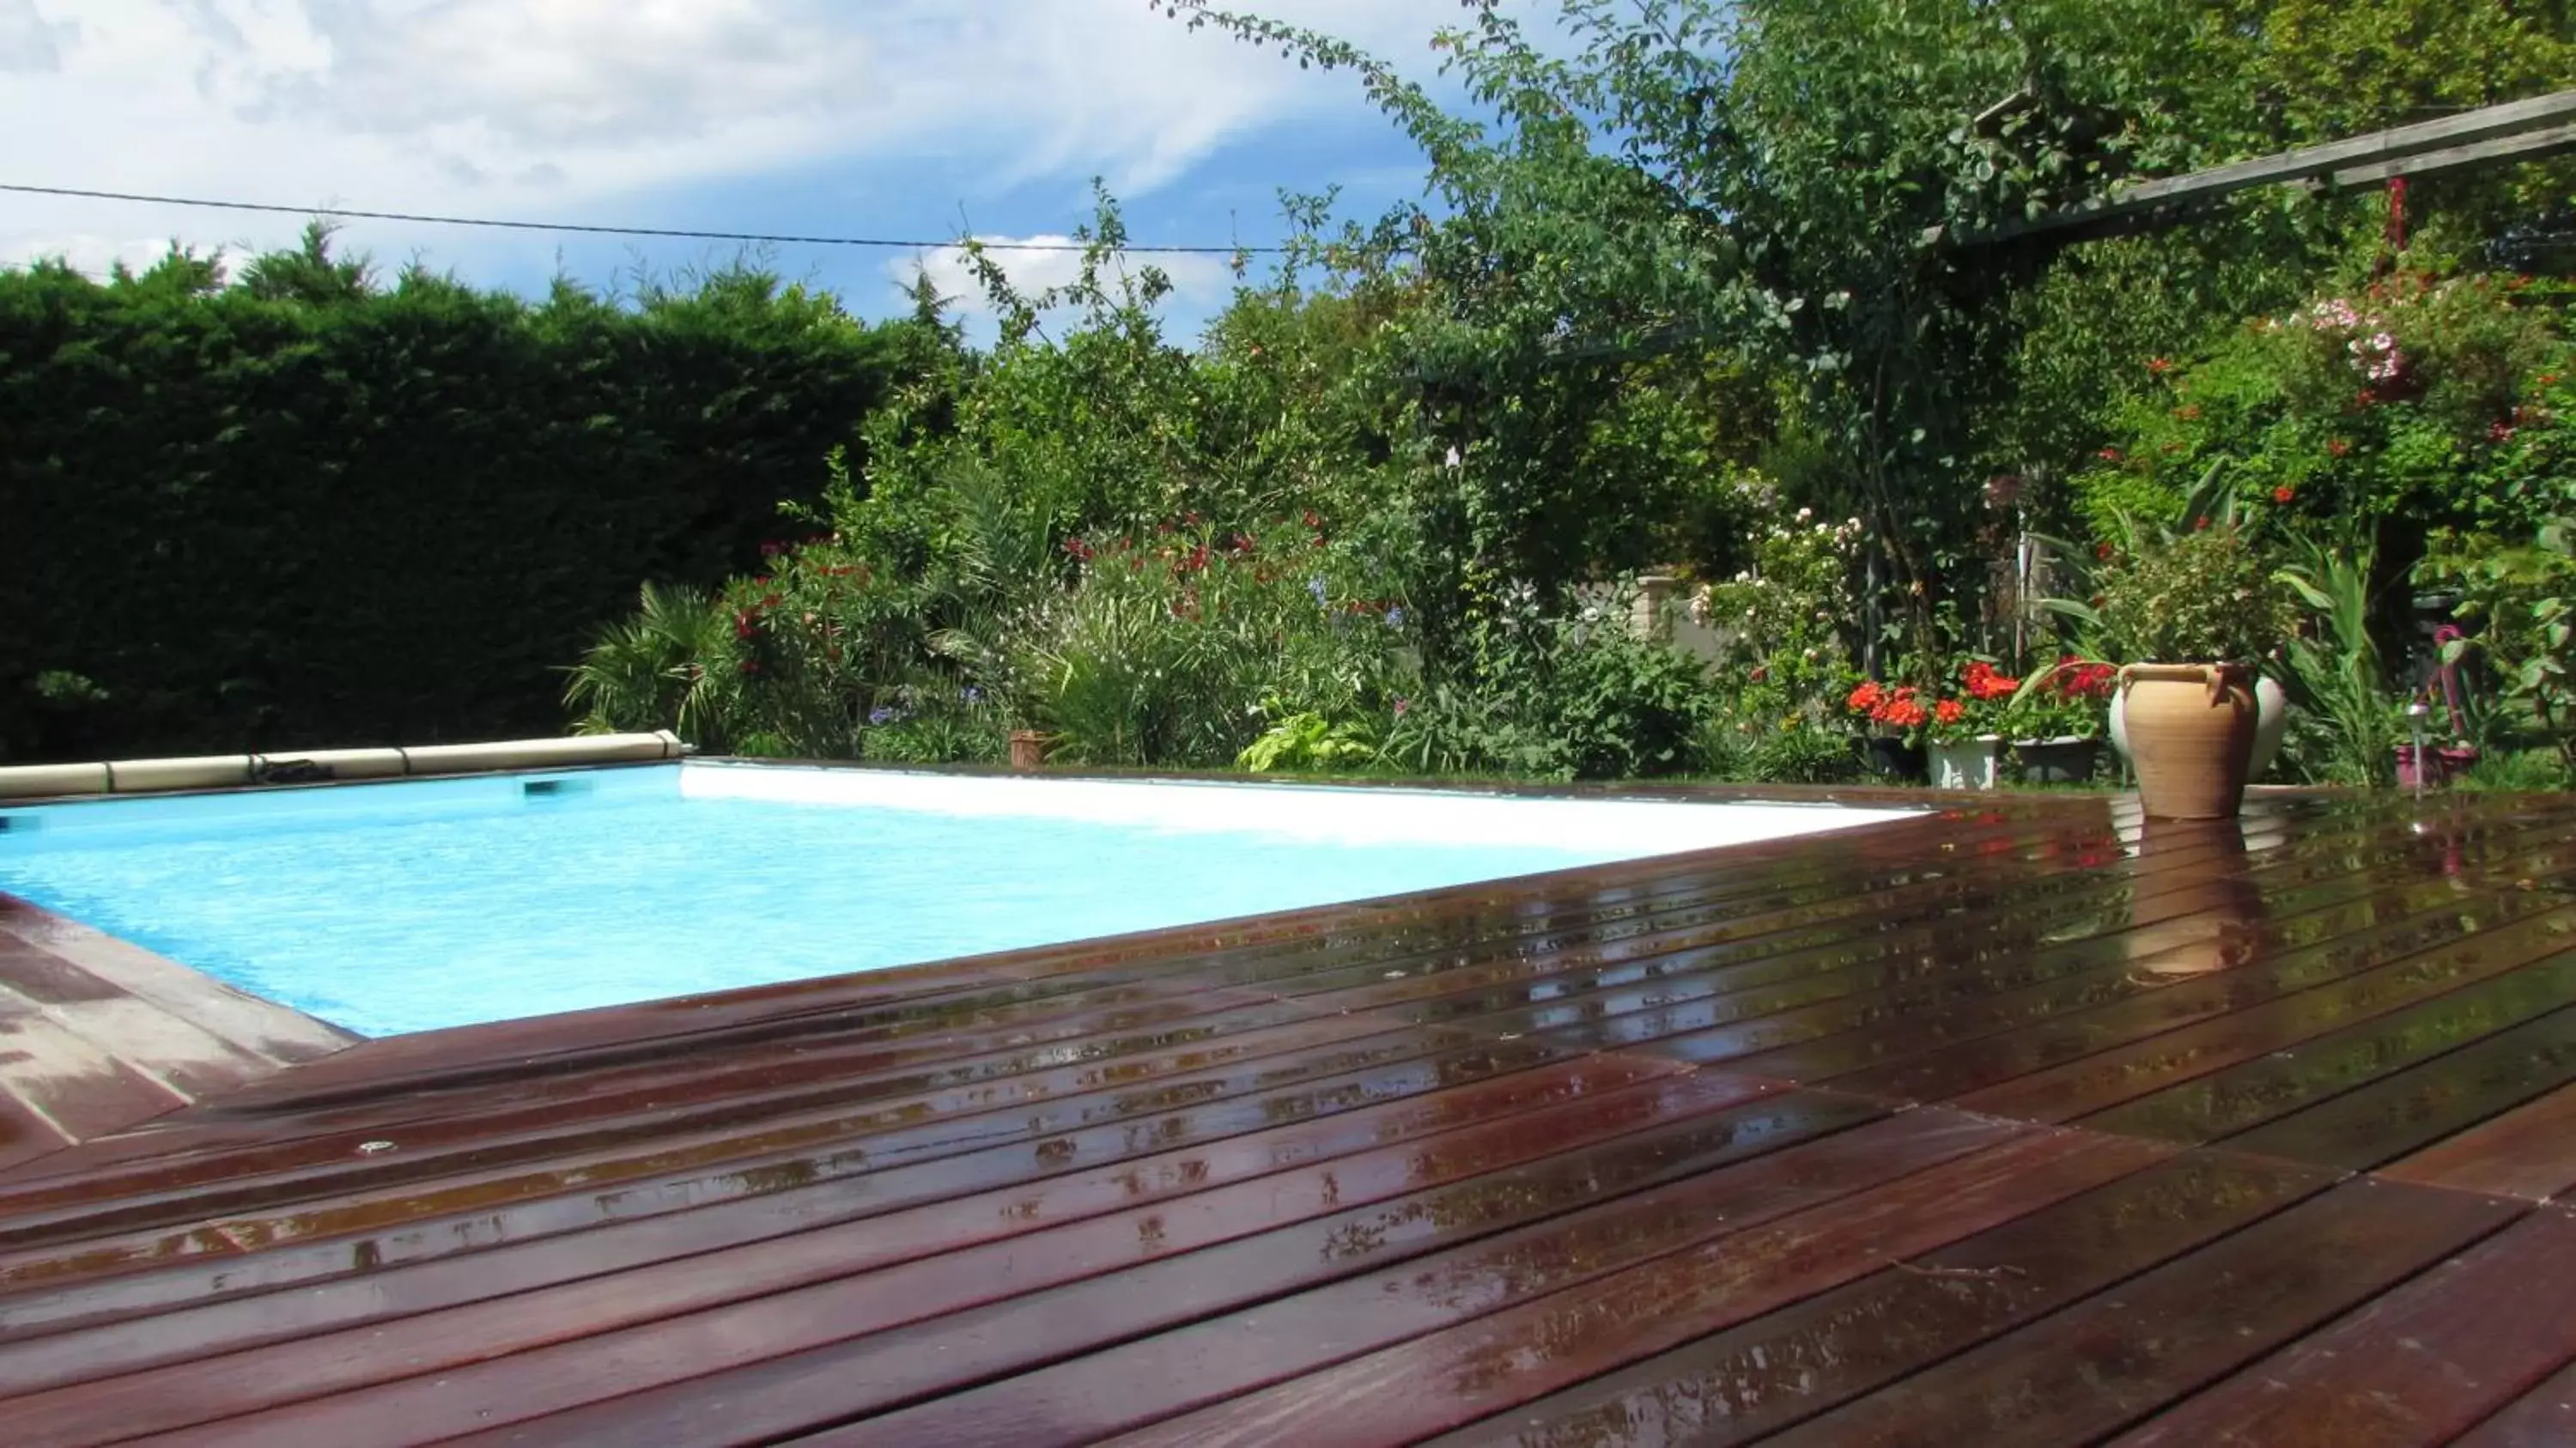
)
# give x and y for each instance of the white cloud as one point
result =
(1199, 281)
(552, 108)
(86, 251)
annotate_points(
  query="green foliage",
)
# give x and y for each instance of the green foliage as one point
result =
(2412, 398)
(2333, 69)
(2521, 598)
(2335, 672)
(2207, 594)
(666, 667)
(306, 509)
(937, 723)
(2518, 771)
(1310, 743)
(1560, 697)
(1165, 651)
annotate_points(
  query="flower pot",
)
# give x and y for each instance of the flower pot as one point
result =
(2064, 760)
(1028, 748)
(2272, 719)
(1967, 763)
(2191, 736)
(2435, 767)
(1892, 758)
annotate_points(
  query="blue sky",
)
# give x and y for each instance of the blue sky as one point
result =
(910, 118)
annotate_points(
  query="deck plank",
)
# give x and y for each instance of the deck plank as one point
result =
(1403, 1391)
(662, 1267)
(2135, 1348)
(784, 1363)
(471, 1210)
(2527, 1006)
(1787, 1365)
(2416, 1367)
(2529, 1152)
(2545, 1417)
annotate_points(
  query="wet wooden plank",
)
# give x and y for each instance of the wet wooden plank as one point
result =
(530, 1294)
(2414, 1108)
(770, 1081)
(1493, 1358)
(2418, 1366)
(256, 1027)
(70, 1081)
(1839, 1041)
(2529, 1152)
(271, 1127)
(156, 1192)
(2130, 1351)
(2545, 1417)
(2231, 1033)
(2171, 970)
(1736, 1385)
(470, 1211)
(1803, 972)
(41, 976)
(2243, 1097)
(785, 1358)
(26, 1133)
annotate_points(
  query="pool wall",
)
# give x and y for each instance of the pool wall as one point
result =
(1320, 813)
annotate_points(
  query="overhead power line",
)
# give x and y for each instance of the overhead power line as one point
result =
(586, 228)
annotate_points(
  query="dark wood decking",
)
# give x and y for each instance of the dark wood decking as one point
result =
(2017, 1124)
(97, 1035)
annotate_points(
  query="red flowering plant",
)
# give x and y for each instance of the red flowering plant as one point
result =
(1978, 706)
(2070, 699)
(1898, 711)
(2412, 395)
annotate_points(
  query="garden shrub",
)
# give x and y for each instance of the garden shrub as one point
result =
(303, 510)
(1180, 647)
(1561, 697)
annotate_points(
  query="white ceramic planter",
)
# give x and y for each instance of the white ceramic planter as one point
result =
(2271, 719)
(1967, 763)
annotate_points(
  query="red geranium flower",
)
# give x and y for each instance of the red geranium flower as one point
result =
(1950, 711)
(1866, 698)
(2283, 494)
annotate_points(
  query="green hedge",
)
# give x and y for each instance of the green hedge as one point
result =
(268, 516)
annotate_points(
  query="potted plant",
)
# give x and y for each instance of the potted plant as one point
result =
(1895, 718)
(2193, 614)
(2057, 718)
(1965, 731)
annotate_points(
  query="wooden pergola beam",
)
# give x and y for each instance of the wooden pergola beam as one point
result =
(2529, 146)
(2534, 126)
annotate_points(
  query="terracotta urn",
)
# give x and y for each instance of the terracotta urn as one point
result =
(2191, 737)
(2271, 723)
(1028, 748)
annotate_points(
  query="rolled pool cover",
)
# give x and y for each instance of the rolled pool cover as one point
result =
(227, 771)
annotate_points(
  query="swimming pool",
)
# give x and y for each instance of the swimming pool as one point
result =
(388, 908)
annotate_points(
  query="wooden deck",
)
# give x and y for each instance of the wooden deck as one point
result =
(2017, 1124)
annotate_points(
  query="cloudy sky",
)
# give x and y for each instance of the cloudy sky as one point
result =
(904, 118)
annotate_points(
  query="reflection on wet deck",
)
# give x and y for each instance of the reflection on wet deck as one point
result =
(2017, 1124)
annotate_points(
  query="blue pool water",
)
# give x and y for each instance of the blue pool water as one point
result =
(403, 907)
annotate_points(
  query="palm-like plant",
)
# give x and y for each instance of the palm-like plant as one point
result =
(668, 666)
(2337, 674)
